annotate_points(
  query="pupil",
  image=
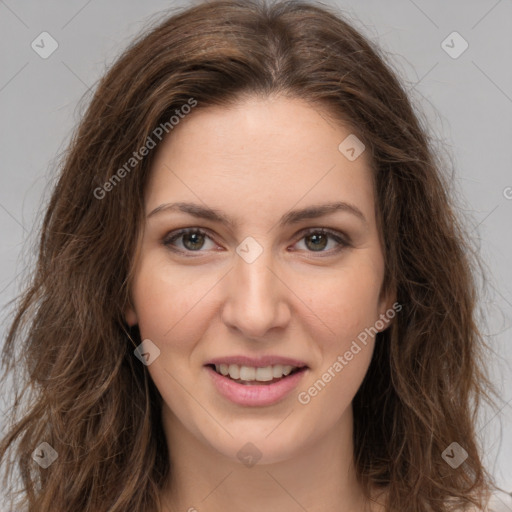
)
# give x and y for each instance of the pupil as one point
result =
(195, 244)
(316, 237)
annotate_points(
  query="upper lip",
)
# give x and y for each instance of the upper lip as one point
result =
(257, 362)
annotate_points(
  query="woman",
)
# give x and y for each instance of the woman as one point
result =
(252, 290)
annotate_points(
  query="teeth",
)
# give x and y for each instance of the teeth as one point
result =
(247, 373)
(287, 370)
(264, 374)
(234, 371)
(250, 373)
(277, 371)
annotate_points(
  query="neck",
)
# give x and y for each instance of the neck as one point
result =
(319, 477)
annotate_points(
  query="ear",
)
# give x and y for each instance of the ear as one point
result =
(388, 308)
(131, 316)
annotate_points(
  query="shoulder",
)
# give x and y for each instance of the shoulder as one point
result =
(500, 502)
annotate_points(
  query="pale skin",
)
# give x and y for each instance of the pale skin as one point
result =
(254, 163)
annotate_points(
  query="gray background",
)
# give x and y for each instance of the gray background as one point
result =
(466, 100)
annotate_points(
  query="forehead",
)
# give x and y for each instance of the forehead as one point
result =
(262, 155)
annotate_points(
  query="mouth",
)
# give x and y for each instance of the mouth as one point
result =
(255, 382)
(256, 376)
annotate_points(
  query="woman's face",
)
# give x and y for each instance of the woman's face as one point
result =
(254, 286)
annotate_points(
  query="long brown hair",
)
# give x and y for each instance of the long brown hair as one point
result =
(86, 394)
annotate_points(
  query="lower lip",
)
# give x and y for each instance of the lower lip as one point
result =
(255, 395)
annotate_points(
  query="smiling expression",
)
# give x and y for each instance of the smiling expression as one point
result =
(260, 251)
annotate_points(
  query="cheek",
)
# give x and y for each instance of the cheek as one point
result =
(166, 300)
(349, 308)
(329, 393)
(345, 302)
(171, 314)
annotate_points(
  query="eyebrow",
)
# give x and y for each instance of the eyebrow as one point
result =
(292, 217)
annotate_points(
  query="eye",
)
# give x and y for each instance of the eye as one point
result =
(317, 239)
(194, 239)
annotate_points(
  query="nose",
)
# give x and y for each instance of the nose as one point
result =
(257, 298)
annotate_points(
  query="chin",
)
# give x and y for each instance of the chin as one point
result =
(266, 442)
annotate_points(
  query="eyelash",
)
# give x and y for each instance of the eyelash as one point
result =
(335, 235)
